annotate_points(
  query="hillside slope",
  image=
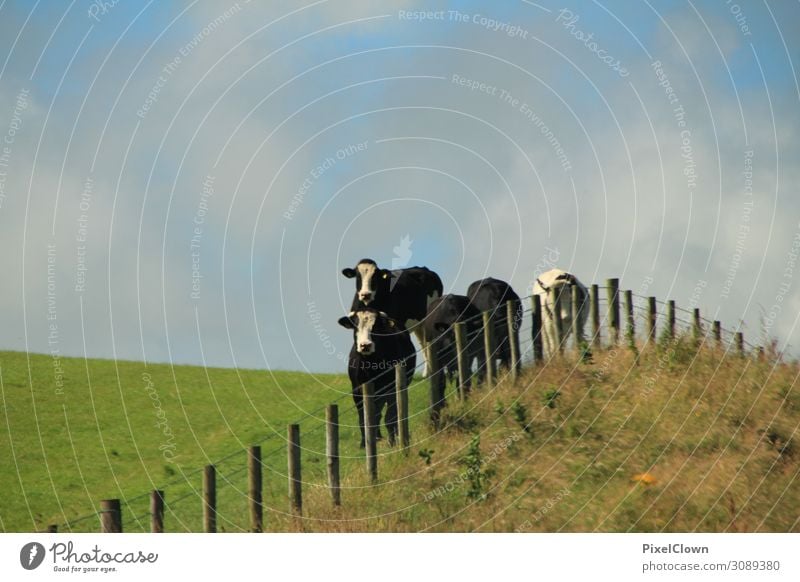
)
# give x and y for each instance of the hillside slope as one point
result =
(667, 440)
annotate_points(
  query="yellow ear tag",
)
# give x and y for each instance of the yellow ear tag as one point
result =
(391, 323)
(386, 275)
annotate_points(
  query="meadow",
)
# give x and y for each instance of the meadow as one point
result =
(661, 438)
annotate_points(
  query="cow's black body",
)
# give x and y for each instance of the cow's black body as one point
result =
(491, 295)
(392, 345)
(443, 314)
(403, 294)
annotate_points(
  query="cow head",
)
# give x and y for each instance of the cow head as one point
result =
(368, 277)
(368, 326)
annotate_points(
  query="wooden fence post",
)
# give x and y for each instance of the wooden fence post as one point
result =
(718, 334)
(488, 348)
(295, 469)
(254, 471)
(630, 330)
(513, 337)
(332, 452)
(156, 511)
(697, 327)
(110, 516)
(577, 329)
(557, 323)
(671, 319)
(460, 332)
(652, 317)
(436, 380)
(612, 288)
(210, 499)
(402, 405)
(594, 313)
(536, 328)
(739, 343)
(370, 430)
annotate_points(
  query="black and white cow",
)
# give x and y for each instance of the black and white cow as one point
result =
(379, 342)
(443, 313)
(562, 282)
(404, 294)
(491, 295)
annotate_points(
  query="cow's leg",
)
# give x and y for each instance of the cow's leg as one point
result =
(547, 329)
(481, 357)
(358, 399)
(566, 327)
(376, 421)
(419, 333)
(391, 417)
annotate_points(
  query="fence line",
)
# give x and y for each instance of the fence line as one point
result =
(656, 315)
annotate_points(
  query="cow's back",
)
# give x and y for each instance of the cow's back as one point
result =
(489, 293)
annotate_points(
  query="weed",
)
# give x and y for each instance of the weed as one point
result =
(585, 352)
(426, 455)
(520, 413)
(477, 476)
(550, 397)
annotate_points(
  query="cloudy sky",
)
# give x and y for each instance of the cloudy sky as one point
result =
(184, 181)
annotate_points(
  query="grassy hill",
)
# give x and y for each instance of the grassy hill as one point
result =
(670, 439)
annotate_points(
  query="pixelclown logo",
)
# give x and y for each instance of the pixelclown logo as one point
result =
(31, 555)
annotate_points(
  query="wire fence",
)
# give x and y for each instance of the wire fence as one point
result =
(184, 494)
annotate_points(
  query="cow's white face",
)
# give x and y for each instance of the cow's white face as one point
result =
(366, 323)
(366, 275)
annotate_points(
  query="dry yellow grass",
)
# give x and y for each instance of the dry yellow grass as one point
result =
(709, 445)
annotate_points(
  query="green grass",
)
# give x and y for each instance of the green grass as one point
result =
(100, 438)
(716, 436)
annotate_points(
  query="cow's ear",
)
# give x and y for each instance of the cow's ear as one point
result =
(349, 273)
(347, 322)
(440, 326)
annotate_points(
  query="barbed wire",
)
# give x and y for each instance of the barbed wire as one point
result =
(496, 317)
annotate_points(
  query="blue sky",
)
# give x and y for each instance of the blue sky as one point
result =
(464, 174)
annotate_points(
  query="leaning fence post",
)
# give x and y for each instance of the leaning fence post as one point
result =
(671, 319)
(459, 329)
(594, 312)
(739, 343)
(295, 470)
(370, 430)
(332, 452)
(513, 337)
(254, 471)
(652, 316)
(536, 328)
(557, 324)
(110, 516)
(488, 347)
(402, 404)
(156, 511)
(717, 326)
(697, 327)
(612, 288)
(577, 329)
(630, 331)
(210, 499)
